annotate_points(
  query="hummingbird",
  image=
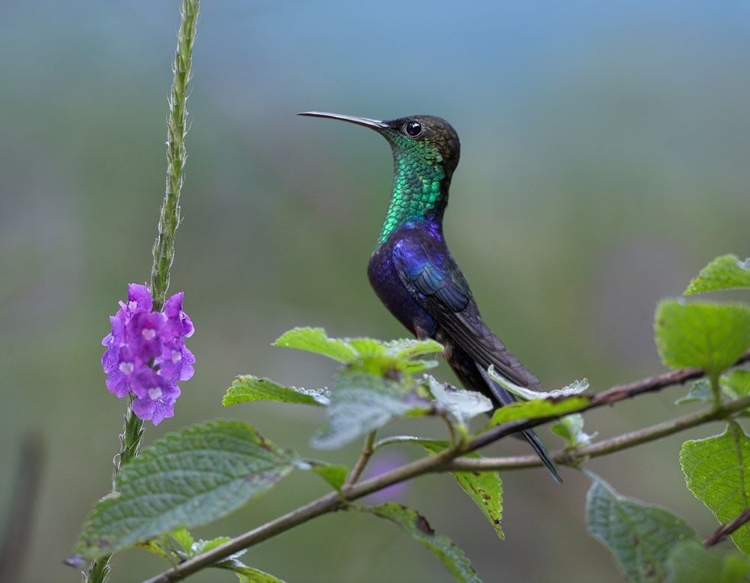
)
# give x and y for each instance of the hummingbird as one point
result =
(413, 272)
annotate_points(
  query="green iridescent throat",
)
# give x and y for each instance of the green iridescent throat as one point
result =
(420, 190)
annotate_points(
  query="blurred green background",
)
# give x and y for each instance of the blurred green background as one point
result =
(606, 152)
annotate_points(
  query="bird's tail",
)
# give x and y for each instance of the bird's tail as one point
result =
(543, 454)
(503, 397)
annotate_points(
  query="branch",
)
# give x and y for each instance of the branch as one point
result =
(609, 397)
(605, 447)
(726, 529)
(364, 457)
(443, 461)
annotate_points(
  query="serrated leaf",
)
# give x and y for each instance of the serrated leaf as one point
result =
(484, 488)
(640, 536)
(574, 388)
(570, 428)
(183, 538)
(186, 479)
(461, 404)
(248, 388)
(334, 474)
(717, 470)
(537, 408)
(167, 547)
(362, 402)
(709, 336)
(410, 348)
(315, 340)
(700, 392)
(417, 526)
(725, 272)
(736, 383)
(245, 573)
(690, 562)
(202, 546)
(367, 347)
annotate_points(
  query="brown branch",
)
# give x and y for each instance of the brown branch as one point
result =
(364, 457)
(727, 529)
(605, 447)
(609, 397)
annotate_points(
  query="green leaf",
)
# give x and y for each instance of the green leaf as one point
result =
(574, 388)
(709, 336)
(417, 526)
(484, 488)
(717, 470)
(362, 402)
(690, 562)
(461, 404)
(249, 575)
(183, 538)
(173, 546)
(231, 563)
(725, 272)
(537, 408)
(736, 383)
(249, 388)
(570, 428)
(366, 347)
(640, 536)
(333, 474)
(365, 353)
(186, 479)
(410, 348)
(315, 340)
(700, 392)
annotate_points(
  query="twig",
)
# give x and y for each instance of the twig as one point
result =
(364, 457)
(609, 397)
(605, 447)
(726, 529)
(443, 462)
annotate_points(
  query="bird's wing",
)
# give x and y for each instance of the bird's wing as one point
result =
(431, 275)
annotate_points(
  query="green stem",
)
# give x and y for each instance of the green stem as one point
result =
(713, 379)
(364, 457)
(169, 220)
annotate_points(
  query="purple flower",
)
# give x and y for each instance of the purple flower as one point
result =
(146, 355)
(155, 396)
(381, 464)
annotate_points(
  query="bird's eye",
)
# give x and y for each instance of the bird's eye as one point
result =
(413, 129)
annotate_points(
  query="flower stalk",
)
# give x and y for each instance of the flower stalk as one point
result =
(169, 220)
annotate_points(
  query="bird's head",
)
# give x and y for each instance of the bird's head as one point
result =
(422, 140)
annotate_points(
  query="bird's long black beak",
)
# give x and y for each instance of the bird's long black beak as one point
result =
(360, 121)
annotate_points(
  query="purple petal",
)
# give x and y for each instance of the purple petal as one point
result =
(144, 334)
(122, 373)
(139, 298)
(157, 401)
(144, 408)
(173, 306)
(179, 322)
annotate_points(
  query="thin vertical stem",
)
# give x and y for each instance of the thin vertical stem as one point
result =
(177, 128)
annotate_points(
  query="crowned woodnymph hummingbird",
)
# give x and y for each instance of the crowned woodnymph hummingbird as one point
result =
(413, 272)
